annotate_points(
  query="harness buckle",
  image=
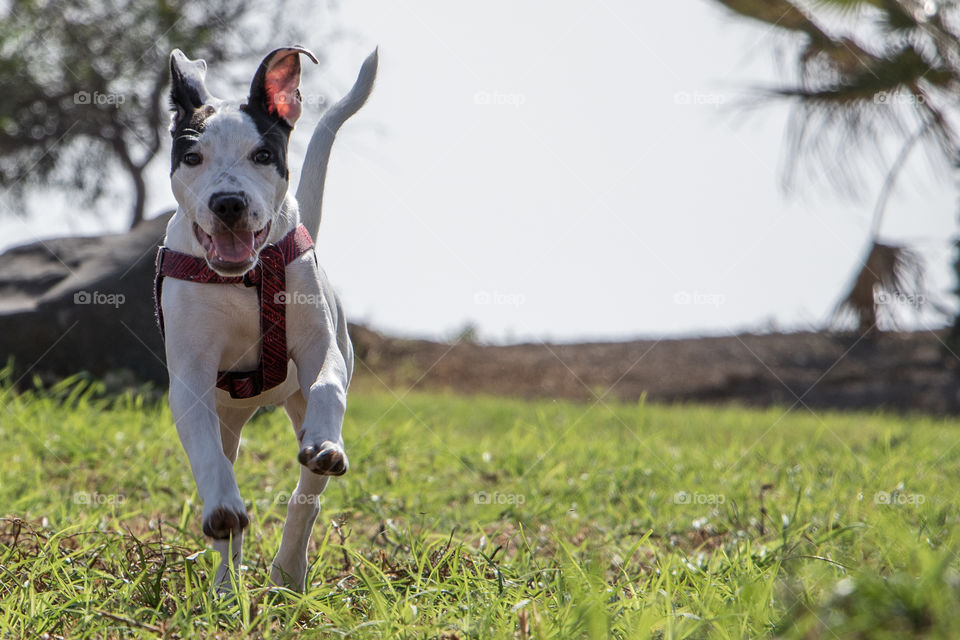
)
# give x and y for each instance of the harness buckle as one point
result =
(252, 278)
(241, 385)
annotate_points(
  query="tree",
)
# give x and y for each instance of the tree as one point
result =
(866, 70)
(85, 84)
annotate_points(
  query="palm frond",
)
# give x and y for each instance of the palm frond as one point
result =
(897, 69)
(892, 15)
(894, 68)
(890, 275)
(848, 6)
(781, 14)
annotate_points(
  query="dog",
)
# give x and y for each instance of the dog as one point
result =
(248, 316)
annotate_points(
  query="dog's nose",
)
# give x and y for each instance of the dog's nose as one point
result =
(228, 207)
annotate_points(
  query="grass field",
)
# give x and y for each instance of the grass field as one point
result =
(490, 518)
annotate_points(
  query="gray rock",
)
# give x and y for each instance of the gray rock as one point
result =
(83, 304)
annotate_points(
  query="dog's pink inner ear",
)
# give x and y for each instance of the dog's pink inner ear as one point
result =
(280, 84)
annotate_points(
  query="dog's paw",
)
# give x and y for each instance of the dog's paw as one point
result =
(224, 521)
(327, 459)
(294, 579)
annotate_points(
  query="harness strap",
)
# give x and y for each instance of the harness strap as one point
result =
(269, 277)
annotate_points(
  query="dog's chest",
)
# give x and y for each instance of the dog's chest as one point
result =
(239, 317)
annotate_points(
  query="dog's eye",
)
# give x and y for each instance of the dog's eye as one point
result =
(262, 156)
(192, 159)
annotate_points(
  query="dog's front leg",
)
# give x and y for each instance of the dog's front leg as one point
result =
(323, 377)
(193, 405)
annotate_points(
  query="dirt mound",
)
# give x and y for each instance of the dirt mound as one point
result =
(900, 371)
(85, 304)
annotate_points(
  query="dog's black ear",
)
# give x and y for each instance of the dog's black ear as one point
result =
(274, 89)
(188, 91)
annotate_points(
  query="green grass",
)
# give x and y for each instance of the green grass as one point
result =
(490, 518)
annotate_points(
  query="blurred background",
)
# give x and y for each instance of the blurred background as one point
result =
(526, 179)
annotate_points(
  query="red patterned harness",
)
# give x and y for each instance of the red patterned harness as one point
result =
(269, 277)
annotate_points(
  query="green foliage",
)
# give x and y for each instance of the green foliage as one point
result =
(490, 518)
(85, 84)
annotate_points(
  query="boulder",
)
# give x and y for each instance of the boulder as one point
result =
(69, 305)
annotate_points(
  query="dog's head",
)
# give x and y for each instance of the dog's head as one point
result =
(229, 166)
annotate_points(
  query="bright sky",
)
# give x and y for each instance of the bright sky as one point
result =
(573, 170)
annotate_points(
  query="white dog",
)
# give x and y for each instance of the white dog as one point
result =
(249, 317)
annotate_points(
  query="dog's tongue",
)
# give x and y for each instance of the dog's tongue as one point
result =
(234, 246)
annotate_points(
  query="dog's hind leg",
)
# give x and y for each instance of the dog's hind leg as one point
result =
(290, 565)
(230, 549)
(232, 420)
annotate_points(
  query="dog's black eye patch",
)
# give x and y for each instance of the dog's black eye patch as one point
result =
(186, 131)
(274, 138)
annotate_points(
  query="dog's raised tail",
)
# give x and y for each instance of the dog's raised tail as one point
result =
(314, 172)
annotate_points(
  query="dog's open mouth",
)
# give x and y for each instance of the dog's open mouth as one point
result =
(232, 250)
